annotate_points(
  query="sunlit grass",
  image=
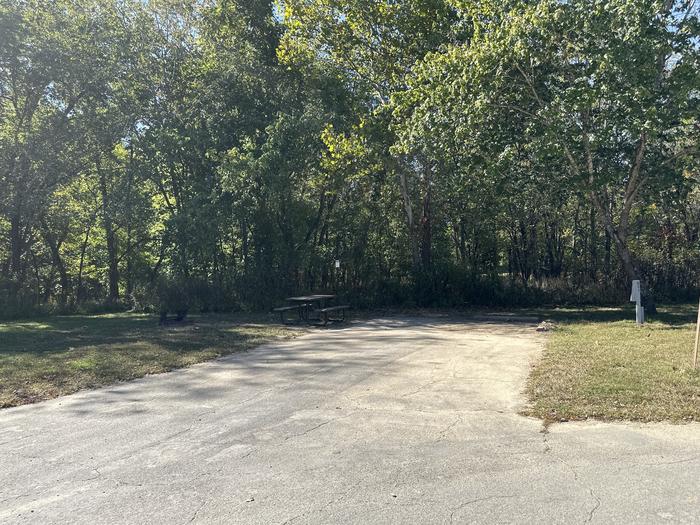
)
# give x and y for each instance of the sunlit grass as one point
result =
(57, 356)
(613, 369)
(31, 325)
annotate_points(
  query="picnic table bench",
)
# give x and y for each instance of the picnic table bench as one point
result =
(284, 309)
(323, 313)
(305, 304)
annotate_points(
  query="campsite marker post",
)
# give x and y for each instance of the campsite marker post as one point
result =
(636, 297)
(335, 275)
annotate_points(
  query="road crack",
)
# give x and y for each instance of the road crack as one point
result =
(422, 387)
(309, 430)
(478, 500)
(444, 431)
(595, 507)
(194, 516)
(322, 424)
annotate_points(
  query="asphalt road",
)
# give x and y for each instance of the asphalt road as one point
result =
(392, 421)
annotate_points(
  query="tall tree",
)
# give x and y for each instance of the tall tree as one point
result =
(610, 88)
(374, 46)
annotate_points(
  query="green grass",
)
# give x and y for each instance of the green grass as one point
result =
(598, 364)
(46, 358)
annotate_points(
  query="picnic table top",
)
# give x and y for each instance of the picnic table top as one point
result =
(307, 298)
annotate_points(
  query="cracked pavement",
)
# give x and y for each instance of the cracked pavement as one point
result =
(403, 420)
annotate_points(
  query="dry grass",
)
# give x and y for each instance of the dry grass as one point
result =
(47, 358)
(597, 366)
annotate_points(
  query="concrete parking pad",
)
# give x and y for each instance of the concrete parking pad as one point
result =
(410, 420)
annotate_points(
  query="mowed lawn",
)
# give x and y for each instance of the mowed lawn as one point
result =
(46, 358)
(599, 364)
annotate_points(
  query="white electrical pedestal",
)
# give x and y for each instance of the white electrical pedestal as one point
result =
(636, 297)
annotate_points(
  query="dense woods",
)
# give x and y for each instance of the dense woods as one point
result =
(446, 152)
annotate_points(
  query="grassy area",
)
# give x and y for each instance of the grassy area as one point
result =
(598, 364)
(47, 358)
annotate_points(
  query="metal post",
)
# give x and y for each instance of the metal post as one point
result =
(636, 297)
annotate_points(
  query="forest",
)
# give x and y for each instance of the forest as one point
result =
(453, 153)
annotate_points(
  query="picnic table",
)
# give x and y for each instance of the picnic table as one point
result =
(305, 304)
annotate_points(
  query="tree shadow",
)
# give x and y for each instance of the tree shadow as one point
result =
(57, 356)
(674, 315)
(332, 354)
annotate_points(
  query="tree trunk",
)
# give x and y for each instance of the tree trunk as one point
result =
(54, 246)
(593, 246)
(426, 244)
(618, 234)
(83, 248)
(244, 246)
(129, 230)
(410, 224)
(608, 257)
(626, 257)
(129, 267)
(16, 248)
(110, 236)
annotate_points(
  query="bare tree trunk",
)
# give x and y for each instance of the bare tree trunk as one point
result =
(129, 230)
(54, 244)
(16, 247)
(110, 236)
(608, 257)
(83, 248)
(602, 200)
(593, 245)
(619, 236)
(244, 245)
(426, 245)
(410, 223)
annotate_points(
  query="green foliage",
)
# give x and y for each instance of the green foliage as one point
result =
(225, 154)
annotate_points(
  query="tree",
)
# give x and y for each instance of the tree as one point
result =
(42, 73)
(606, 91)
(374, 46)
(446, 151)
